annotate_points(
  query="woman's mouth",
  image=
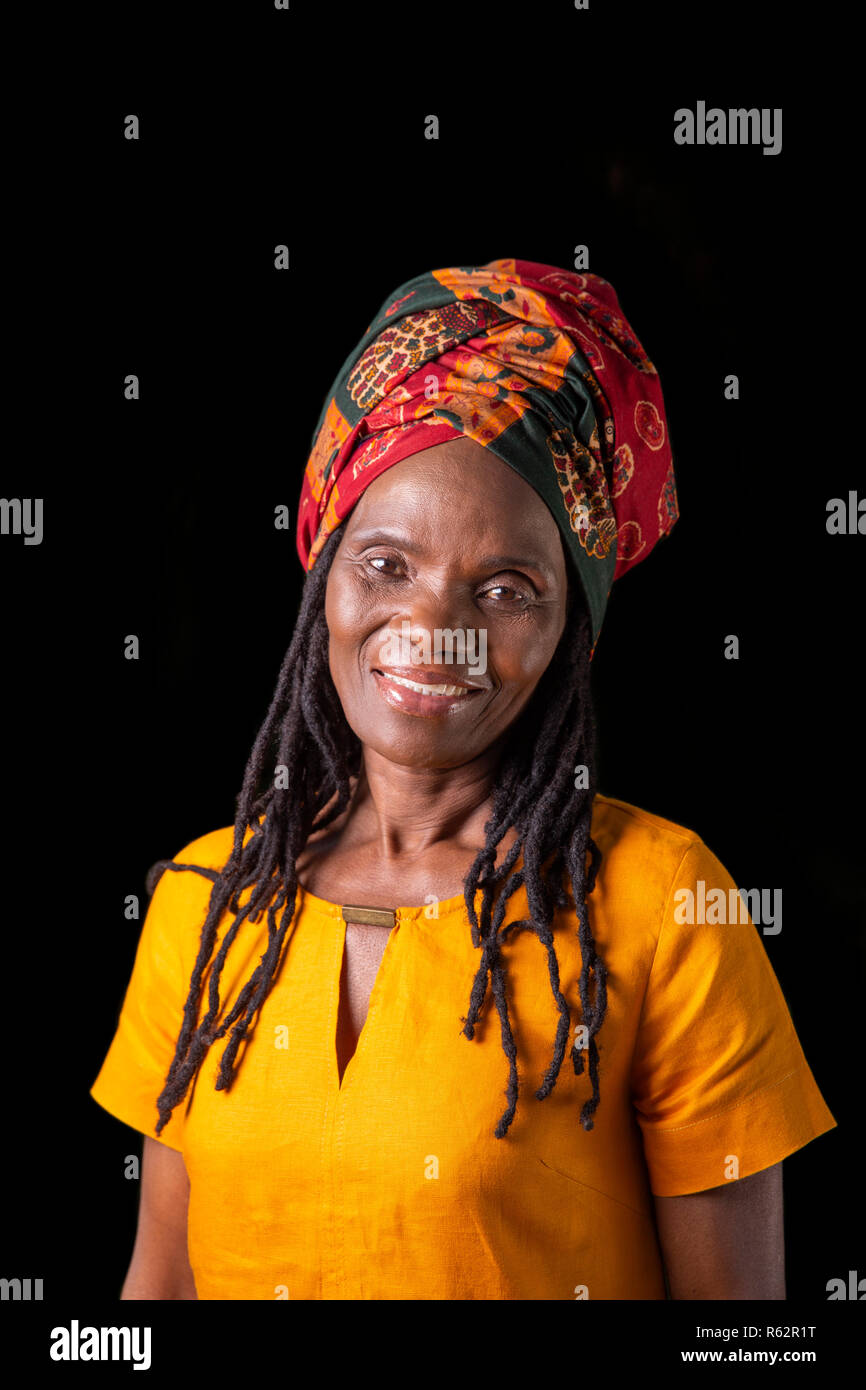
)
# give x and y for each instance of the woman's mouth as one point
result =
(423, 693)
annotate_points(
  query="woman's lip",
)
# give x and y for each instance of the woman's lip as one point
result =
(410, 701)
(424, 675)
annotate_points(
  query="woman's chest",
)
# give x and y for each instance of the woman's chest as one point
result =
(397, 1149)
(360, 1066)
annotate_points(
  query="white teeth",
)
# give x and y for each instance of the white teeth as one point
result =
(427, 689)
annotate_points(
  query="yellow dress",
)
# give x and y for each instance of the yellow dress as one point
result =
(392, 1184)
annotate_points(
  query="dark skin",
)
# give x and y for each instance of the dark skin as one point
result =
(451, 538)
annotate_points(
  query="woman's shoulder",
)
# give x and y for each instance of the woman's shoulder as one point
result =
(208, 853)
(625, 831)
(647, 863)
(211, 850)
(612, 809)
(180, 891)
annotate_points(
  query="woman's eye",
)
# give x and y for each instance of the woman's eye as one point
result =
(509, 593)
(381, 562)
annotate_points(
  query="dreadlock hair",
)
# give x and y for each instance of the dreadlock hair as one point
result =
(534, 792)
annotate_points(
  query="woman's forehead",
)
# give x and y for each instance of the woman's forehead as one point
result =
(461, 474)
(442, 489)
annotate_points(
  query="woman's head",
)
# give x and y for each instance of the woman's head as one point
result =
(537, 366)
(450, 570)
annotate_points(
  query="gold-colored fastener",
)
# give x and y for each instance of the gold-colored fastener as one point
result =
(370, 916)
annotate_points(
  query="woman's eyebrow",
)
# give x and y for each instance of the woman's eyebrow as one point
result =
(385, 535)
(511, 562)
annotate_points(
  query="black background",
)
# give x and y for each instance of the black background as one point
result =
(156, 257)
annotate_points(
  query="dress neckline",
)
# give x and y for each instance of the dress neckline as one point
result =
(429, 911)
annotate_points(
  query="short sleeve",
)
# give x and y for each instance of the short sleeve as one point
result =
(135, 1068)
(720, 1083)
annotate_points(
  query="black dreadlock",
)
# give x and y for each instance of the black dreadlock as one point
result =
(534, 792)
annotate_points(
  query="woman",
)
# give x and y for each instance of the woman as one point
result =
(420, 804)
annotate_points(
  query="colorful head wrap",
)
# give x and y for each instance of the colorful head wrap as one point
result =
(538, 365)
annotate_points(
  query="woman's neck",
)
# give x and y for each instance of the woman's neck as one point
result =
(407, 810)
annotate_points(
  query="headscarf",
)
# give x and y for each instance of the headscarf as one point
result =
(537, 364)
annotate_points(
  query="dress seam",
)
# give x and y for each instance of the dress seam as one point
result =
(771, 1085)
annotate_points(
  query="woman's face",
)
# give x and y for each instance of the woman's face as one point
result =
(450, 572)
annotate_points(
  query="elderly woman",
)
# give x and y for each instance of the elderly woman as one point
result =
(424, 908)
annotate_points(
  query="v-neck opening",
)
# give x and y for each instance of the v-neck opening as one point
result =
(372, 1002)
(416, 914)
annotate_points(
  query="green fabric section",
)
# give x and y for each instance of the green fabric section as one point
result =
(523, 446)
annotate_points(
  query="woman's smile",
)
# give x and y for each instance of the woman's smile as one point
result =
(425, 693)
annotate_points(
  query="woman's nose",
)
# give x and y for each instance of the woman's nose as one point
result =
(443, 624)
(444, 609)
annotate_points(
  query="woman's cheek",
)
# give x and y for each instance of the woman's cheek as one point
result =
(520, 654)
(347, 609)
(356, 626)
